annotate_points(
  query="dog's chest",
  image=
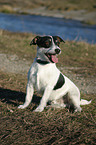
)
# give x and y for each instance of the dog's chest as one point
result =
(42, 76)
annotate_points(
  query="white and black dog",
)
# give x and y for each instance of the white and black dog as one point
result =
(45, 77)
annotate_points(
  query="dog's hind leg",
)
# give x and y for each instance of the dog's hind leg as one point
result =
(74, 97)
(29, 95)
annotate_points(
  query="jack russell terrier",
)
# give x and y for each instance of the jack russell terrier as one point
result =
(46, 78)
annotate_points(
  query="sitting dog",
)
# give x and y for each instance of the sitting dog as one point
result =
(45, 77)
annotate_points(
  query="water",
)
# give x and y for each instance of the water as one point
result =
(42, 25)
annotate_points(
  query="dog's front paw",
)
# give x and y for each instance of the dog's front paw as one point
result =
(39, 109)
(22, 106)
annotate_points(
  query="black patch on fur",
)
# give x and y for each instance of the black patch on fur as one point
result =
(45, 42)
(60, 82)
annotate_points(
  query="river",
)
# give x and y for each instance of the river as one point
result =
(41, 25)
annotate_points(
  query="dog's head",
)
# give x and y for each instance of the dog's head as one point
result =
(48, 47)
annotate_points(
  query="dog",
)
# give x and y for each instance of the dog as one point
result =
(47, 79)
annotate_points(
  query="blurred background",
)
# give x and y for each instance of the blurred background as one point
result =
(71, 19)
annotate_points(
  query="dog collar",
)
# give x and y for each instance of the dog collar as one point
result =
(41, 61)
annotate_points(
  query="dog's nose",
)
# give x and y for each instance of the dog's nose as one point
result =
(57, 51)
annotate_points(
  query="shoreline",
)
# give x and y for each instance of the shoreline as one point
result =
(80, 15)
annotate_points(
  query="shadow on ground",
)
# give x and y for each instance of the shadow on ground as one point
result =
(14, 97)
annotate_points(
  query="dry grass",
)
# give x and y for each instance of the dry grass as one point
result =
(52, 126)
(62, 5)
(75, 53)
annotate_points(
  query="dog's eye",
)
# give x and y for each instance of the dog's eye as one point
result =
(57, 42)
(47, 44)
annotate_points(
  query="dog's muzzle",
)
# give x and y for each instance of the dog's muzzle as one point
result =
(53, 56)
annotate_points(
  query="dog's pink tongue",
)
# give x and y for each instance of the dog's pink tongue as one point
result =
(54, 58)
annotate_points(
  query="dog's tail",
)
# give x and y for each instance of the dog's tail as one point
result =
(85, 102)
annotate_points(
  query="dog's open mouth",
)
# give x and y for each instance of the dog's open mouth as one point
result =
(52, 57)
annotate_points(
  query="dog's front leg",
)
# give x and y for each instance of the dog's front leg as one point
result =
(29, 95)
(44, 99)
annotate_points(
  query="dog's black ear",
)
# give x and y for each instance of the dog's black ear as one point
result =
(59, 39)
(35, 40)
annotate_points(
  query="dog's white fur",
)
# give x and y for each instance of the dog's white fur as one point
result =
(44, 77)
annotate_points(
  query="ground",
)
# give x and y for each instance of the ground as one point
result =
(52, 126)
